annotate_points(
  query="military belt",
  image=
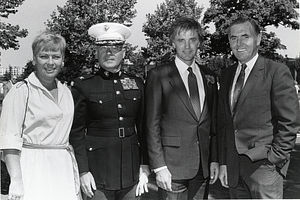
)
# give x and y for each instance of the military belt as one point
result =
(118, 132)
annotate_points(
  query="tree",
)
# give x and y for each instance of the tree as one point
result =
(73, 21)
(8, 32)
(158, 24)
(267, 13)
(29, 67)
(8, 74)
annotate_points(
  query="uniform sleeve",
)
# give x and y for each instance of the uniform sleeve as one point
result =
(285, 106)
(12, 116)
(77, 135)
(141, 126)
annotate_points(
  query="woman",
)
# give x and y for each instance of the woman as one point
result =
(34, 129)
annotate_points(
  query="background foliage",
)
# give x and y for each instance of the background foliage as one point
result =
(157, 26)
(10, 33)
(267, 13)
(73, 20)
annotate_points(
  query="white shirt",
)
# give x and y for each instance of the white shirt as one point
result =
(184, 73)
(248, 70)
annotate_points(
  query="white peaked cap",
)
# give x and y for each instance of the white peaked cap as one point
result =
(109, 31)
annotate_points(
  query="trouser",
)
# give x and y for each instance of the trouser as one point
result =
(191, 189)
(123, 194)
(257, 180)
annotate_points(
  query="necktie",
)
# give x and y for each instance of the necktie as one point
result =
(194, 92)
(238, 86)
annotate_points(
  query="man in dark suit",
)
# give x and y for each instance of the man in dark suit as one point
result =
(258, 118)
(107, 133)
(181, 99)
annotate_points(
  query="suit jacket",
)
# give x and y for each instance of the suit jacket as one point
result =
(175, 137)
(266, 117)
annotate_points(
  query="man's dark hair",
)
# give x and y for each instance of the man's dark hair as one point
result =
(185, 24)
(244, 19)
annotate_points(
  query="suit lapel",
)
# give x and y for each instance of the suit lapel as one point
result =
(178, 86)
(228, 77)
(255, 73)
(207, 91)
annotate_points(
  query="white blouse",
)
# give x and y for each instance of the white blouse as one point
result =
(48, 166)
(47, 122)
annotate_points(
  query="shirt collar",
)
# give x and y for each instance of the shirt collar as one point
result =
(32, 78)
(182, 67)
(250, 63)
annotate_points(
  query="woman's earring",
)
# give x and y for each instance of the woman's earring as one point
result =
(33, 63)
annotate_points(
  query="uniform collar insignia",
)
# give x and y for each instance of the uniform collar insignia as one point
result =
(106, 73)
(109, 75)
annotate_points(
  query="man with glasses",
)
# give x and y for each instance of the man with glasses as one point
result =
(107, 130)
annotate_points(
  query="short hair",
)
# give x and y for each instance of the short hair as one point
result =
(49, 41)
(185, 24)
(244, 19)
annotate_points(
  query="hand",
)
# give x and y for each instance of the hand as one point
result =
(214, 172)
(164, 179)
(142, 185)
(223, 176)
(16, 190)
(87, 184)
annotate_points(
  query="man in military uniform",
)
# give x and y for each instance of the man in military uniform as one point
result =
(107, 130)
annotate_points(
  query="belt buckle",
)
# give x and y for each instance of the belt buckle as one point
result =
(121, 132)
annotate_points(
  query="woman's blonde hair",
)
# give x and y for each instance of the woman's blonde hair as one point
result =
(49, 41)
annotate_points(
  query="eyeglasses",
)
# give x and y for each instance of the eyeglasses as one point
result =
(112, 48)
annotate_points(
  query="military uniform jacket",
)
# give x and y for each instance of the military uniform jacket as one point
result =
(107, 127)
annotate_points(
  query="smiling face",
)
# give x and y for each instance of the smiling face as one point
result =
(244, 41)
(48, 64)
(186, 44)
(110, 57)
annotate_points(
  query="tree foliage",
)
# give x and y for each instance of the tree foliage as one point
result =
(158, 24)
(29, 67)
(9, 33)
(73, 21)
(267, 13)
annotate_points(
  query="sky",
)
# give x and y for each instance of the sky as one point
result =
(32, 15)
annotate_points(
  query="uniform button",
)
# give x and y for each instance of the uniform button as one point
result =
(115, 81)
(90, 149)
(121, 118)
(134, 99)
(100, 102)
(118, 92)
(120, 106)
(197, 142)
